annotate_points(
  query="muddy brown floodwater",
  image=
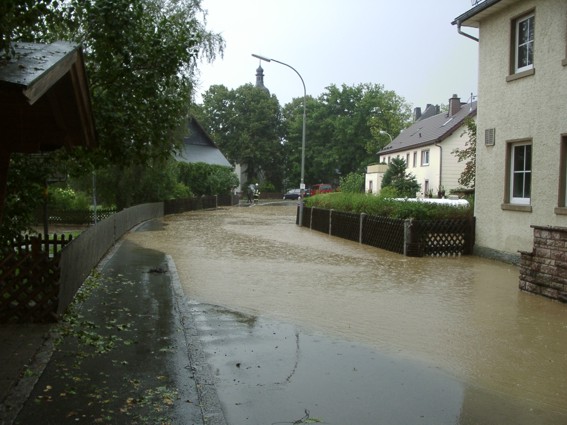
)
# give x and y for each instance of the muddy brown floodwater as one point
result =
(464, 316)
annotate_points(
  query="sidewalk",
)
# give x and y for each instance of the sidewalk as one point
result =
(128, 354)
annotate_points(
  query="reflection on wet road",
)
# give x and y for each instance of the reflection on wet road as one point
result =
(381, 335)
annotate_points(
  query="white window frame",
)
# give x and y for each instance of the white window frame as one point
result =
(527, 44)
(425, 157)
(415, 159)
(521, 171)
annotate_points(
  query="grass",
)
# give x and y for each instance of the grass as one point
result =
(387, 207)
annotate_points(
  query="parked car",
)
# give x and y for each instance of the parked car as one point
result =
(294, 193)
(321, 188)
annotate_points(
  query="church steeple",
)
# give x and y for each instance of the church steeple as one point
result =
(260, 79)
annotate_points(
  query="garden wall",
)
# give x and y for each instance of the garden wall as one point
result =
(543, 271)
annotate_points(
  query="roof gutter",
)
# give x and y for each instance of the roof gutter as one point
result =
(472, 37)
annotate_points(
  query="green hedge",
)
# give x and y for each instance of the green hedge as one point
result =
(387, 207)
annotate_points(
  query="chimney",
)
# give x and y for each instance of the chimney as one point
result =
(416, 114)
(454, 105)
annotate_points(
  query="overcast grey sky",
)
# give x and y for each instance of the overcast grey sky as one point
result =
(408, 46)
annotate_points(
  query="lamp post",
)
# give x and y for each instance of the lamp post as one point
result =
(302, 182)
(387, 134)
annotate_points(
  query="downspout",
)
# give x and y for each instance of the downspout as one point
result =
(472, 37)
(440, 165)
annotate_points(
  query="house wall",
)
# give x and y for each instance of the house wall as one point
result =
(373, 178)
(444, 167)
(533, 107)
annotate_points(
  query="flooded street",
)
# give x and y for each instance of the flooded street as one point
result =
(452, 338)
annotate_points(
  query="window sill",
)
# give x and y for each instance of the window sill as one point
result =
(561, 210)
(519, 75)
(516, 207)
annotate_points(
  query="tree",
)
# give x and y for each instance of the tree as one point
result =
(22, 20)
(468, 154)
(246, 124)
(341, 124)
(395, 176)
(353, 183)
(141, 57)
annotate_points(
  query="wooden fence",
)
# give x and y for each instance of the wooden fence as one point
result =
(38, 278)
(30, 274)
(413, 238)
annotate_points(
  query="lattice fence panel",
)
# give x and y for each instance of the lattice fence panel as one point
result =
(445, 237)
(385, 233)
(345, 225)
(29, 287)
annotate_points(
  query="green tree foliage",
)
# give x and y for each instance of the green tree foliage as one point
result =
(207, 179)
(140, 58)
(342, 128)
(22, 20)
(352, 183)
(468, 154)
(245, 123)
(26, 192)
(404, 183)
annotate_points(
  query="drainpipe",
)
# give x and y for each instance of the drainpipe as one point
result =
(440, 164)
(465, 34)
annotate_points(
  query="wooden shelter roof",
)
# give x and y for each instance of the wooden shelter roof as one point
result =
(44, 99)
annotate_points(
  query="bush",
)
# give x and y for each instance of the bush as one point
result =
(387, 207)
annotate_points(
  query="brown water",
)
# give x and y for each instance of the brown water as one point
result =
(464, 315)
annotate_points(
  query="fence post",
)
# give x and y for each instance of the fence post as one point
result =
(360, 229)
(330, 222)
(407, 235)
(311, 218)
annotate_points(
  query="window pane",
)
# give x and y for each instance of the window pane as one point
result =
(519, 158)
(528, 157)
(518, 186)
(528, 185)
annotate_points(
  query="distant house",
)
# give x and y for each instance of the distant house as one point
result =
(426, 147)
(199, 147)
(521, 158)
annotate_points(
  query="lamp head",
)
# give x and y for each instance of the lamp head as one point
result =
(262, 58)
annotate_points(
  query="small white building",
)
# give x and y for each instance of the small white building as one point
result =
(427, 147)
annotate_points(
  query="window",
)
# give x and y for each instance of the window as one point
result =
(524, 43)
(425, 157)
(407, 160)
(520, 173)
(415, 159)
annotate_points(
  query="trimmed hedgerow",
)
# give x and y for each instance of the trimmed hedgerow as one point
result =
(387, 207)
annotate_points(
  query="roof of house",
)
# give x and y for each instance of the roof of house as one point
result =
(472, 17)
(44, 98)
(199, 147)
(430, 130)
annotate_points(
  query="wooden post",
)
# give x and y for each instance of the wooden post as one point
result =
(361, 227)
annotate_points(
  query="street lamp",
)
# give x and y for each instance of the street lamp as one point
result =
(302, 183)
(387, 134)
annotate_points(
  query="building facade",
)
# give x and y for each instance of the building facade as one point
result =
(427, 148)
(522, 121)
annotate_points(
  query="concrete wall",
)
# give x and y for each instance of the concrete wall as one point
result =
(533, 107)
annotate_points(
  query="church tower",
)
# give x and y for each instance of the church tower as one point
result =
(260, 79)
